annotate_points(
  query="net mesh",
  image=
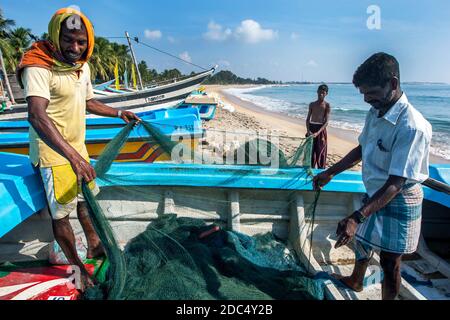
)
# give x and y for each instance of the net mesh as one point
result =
(161, 245)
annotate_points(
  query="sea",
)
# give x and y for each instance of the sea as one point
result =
(348, 109)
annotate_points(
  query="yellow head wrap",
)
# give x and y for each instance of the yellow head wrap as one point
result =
(54, 29)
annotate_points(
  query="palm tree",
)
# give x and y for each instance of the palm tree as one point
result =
(103, 60)
(19, 40)
(5, 25)
(121, 53)
(7, 50)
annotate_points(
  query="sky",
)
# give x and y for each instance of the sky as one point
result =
(287, 40)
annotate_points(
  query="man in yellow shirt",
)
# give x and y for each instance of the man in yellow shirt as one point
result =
(56, 79)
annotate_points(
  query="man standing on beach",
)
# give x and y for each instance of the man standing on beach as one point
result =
(56, 80)
(316, 126)
(394, 149)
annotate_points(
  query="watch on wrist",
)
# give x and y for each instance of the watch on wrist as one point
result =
(119, 113)
(359, 217)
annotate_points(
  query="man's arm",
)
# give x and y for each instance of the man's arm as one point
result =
(347, 227)
(47, 131)
(350, 160)
(383, 196)
(96, 107)
(308, 119)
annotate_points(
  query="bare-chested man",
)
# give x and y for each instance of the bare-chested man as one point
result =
(316, 125)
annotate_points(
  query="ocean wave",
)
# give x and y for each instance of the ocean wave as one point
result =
(264, 102)
(348, 110)
(237, 91)
(355, 123)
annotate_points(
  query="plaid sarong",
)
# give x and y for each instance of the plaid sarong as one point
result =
(396, 227)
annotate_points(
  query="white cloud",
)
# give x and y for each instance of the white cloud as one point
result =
(185, 56)
(312, 63)
(294, 36)
(171, 39)
(250, 31)
(216, 32)
(153, 34)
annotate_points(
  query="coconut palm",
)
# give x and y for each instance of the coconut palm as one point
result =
(19, 40)
(5, 25)
(103, 60)
(121, 53)
(7, 50)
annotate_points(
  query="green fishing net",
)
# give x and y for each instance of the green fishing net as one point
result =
(195, 255)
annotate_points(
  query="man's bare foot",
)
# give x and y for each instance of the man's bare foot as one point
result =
(349, 282)
(95, 251)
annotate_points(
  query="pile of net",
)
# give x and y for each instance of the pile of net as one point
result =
(170, 261)
(174, 259)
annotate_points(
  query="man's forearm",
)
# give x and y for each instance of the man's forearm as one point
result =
(47, 131)
(98, 108)
(350, 160)
(383, 196)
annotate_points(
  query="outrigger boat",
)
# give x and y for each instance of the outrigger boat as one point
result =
(140, 147)
(206, 105)
(104, 122)
(162, 96)
(248, 199)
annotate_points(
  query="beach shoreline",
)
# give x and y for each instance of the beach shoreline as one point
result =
(340, 141)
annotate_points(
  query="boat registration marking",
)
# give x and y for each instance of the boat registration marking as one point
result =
(155, 98)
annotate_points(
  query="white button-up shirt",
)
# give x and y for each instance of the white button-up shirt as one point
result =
(396, 144)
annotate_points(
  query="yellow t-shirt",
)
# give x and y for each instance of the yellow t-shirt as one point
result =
(67, 94)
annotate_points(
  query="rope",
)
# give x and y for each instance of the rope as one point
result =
(136, 39)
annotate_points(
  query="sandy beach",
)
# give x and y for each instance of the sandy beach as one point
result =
(248, 116)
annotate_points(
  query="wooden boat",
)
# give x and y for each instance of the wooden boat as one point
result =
(206, 105)
(247, 199)
(162, 96)
(103, 122)
(139, 147)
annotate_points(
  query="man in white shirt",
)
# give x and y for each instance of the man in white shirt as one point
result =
(394, 149)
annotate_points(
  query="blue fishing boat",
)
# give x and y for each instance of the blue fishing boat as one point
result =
(140, 147)
(248, 199)
(104, 122)
(104, 85)
(206, 105)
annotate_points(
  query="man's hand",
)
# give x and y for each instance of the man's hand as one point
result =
(127, 116)
(82, 169)
(321, 180)
(345, 231)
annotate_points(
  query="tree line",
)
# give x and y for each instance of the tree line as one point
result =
(228, 77)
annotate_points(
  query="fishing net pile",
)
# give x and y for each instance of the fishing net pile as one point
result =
(178, 258)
